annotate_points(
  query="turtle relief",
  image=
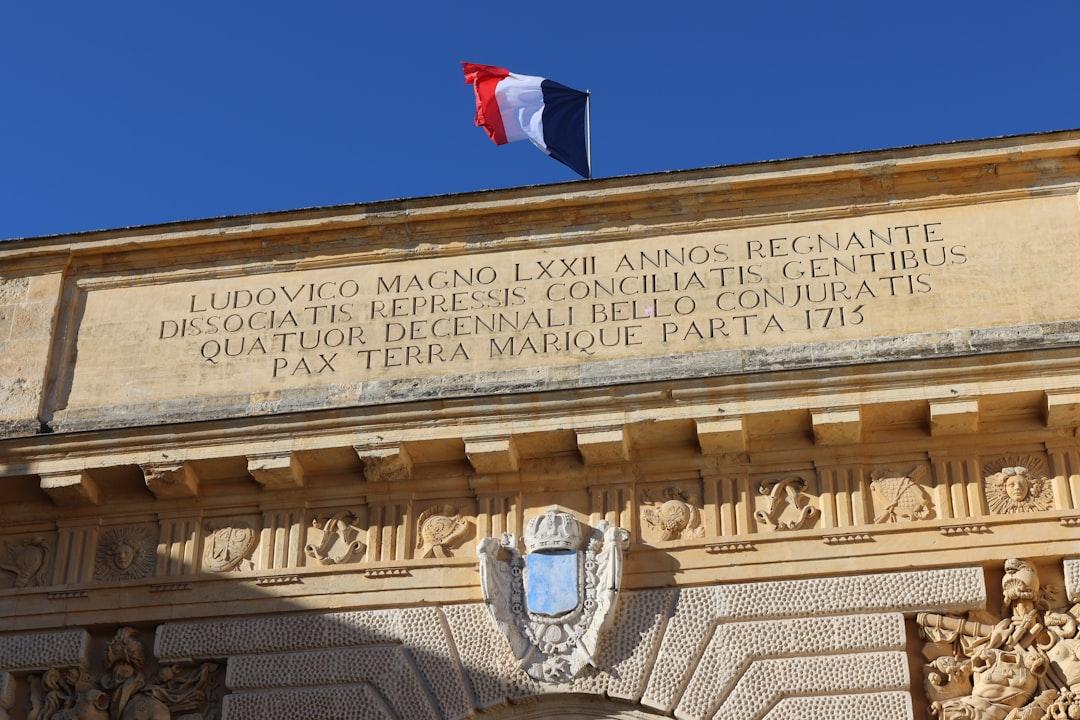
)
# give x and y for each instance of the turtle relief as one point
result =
(338, 539)
(900, 495)
(1016, 484)
(229, 545)
(439, 530)
(675, 514)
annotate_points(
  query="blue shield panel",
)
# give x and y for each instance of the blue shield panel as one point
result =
(551, 585)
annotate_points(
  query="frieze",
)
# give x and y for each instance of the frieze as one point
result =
(807, 291)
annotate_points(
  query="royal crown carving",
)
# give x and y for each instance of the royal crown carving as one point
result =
(553, 530)
(553, 603)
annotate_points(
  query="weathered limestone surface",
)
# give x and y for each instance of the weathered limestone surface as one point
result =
(744, 442)
(29, 305)
(883, 256)
(730, 651)
(1072, 578)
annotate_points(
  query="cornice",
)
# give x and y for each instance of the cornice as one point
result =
(995, 158)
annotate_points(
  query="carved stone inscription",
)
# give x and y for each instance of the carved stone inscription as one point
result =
(789, 284)
(706, 292)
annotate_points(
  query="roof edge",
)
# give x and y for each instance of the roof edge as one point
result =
(418, 202)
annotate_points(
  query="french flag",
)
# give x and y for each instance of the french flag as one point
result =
(513, 107)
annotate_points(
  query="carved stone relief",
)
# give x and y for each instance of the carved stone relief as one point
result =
(901, 495)
(439, 529)
(122, 692)
(229, 545)
(26, 560)
(126, 553)
(787, 506)
(1025, 666)
(674, 515)
(1017, 484)
(553, 603)
(339, 539)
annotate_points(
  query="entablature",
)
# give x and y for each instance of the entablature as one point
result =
(782, 475)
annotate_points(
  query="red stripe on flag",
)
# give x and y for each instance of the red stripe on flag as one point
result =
(484, 78)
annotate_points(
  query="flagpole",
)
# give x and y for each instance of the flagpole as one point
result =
(588, 130)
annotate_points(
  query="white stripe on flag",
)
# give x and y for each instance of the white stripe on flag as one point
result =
(521, 104)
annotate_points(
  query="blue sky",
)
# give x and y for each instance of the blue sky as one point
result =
(125, 113)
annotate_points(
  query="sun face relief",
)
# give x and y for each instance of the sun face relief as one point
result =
(1019, 487)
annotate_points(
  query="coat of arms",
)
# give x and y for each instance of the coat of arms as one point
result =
(553, 603)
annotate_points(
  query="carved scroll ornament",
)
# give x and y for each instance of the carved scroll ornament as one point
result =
(782, 495)
(340, 542)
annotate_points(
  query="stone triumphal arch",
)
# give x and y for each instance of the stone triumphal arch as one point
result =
(778, 441)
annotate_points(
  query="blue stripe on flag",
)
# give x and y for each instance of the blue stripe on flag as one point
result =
(564, 126)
